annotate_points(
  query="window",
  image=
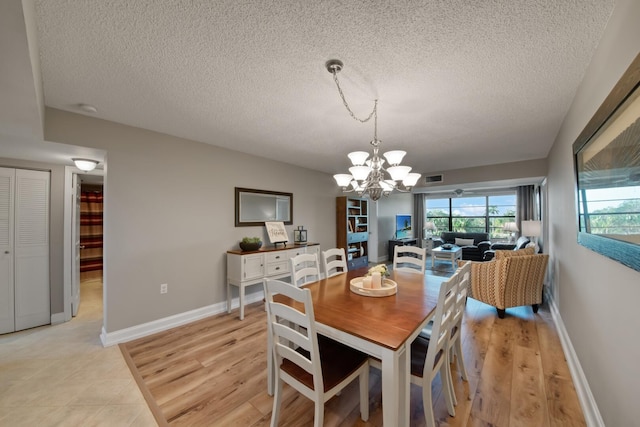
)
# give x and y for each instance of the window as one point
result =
(478, 213)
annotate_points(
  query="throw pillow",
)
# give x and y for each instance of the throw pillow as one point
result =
(519, 252)
(464, 242)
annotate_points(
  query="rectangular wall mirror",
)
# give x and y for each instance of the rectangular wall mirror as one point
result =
(254, 207)
(607, 166)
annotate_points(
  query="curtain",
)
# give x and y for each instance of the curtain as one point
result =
(527, 204)
(91, 203)
(418, 217)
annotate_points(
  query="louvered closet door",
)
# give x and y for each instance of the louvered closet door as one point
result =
(7, 317)
(32, 299)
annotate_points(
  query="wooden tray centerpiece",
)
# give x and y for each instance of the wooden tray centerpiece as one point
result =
(374, 284)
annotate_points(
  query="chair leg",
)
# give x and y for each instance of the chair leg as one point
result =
(450, 390)
(460, 359)
(363, 384)
(500, 312)
(535, 308)
(427, 404)
(277, 400)
(445, 377)
(318, 419)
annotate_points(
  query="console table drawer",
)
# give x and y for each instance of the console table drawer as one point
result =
(274, 268)
(277, 256)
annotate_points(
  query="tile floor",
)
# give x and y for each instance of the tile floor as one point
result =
(62, 376)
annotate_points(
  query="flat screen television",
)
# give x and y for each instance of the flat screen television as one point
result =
(404, 228)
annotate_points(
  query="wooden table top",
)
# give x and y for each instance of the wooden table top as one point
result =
(388, 321)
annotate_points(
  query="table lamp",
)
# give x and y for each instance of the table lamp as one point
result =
(512, 228)
(429, 228)
(532, 229)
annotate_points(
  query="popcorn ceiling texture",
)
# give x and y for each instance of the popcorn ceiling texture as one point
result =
(459, 83)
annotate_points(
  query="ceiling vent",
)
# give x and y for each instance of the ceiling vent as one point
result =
(433, 179)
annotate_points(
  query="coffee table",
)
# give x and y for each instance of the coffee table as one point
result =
(453, 254)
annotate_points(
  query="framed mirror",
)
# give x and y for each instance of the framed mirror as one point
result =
(254, 207)
(607, 167)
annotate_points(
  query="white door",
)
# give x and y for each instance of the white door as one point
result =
(32, 298)
(7, 316)
(75, 238)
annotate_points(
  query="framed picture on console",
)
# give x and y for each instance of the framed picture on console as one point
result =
(607, 170)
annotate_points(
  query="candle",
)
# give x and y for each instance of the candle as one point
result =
(366, 282)
(376, 280)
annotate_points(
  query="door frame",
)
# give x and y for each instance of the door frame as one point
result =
(69, 252)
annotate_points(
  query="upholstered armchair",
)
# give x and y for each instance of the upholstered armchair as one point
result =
(512, 279)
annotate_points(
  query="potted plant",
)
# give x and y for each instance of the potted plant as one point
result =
(250, 243)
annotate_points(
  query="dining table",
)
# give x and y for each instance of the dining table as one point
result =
(382, 327)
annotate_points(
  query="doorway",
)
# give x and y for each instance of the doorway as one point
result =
(92, 278)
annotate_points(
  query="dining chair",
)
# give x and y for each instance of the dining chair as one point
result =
(334, 262)
(409, 258)
(304, 269)
(429, 355)
(455, 340)
(316, 366)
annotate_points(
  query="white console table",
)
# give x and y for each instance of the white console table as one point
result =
(252, 267)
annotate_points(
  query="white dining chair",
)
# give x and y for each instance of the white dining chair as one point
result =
(409, 258)
(316, 366)
(334, 262)
(304, 269)
(455, 340)
(429, 356)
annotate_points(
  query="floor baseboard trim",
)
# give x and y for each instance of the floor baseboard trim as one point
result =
(587, 401)
(139, 331)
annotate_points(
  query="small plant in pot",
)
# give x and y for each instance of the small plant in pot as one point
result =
(250, 243)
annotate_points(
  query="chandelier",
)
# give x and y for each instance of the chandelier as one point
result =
(368, 176)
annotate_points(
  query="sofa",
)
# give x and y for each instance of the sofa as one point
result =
(471, 251)
(521, 243)
(512, 279)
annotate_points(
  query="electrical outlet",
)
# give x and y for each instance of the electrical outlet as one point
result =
(163, 288)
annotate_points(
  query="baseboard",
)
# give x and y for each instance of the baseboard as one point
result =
(587, 401)
(139, 331)
(57, 318)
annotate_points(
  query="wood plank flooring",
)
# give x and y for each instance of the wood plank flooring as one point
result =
(213, 373)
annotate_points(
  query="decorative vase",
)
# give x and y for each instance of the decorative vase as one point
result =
(246, 247)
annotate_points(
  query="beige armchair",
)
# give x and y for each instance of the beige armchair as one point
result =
(512, 279)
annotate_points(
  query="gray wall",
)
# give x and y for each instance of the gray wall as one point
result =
(388, 207)
(169, 214)
(597, 297)
(56, 222)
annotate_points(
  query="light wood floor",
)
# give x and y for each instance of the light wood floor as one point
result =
(213, 373)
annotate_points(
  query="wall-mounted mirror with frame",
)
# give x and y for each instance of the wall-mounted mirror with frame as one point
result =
(607, 167)
(254, 207)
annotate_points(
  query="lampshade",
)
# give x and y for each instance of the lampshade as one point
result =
(85, 164)
(358, 157)
(411, 179)
(429, 225)
(343, 179)
(360, 172)
(394, 157)
(510, 226)
(531, 228)
(398, 173)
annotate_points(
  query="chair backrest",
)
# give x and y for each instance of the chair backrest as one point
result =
(293, 333)
(304, 269)
(409, 258)
(441, 329)
(334, 262)
(462, 290)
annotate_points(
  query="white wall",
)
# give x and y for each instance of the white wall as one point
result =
(169, 214)
(597, 297)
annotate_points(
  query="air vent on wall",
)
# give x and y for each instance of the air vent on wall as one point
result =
(433, 179)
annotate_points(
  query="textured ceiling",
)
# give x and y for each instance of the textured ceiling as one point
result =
(459, 83)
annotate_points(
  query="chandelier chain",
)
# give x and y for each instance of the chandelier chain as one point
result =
(344, 101)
